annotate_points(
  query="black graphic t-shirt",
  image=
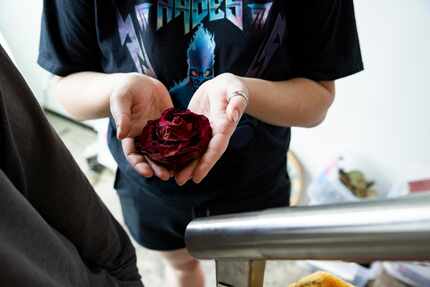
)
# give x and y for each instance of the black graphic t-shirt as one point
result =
(186, 42)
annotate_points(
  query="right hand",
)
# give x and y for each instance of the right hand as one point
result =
(136, 99)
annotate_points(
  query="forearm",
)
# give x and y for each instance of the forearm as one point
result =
(84, 95)
(296, 102)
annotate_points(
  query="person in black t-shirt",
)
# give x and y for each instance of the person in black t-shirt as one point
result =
(54, 230)
(254, 68)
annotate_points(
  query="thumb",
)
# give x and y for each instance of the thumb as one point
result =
(237, 104)
(120, 106)
(163, 94)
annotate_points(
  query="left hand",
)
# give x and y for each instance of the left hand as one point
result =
(212, 100)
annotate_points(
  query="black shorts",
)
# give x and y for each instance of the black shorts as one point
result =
(159, 224)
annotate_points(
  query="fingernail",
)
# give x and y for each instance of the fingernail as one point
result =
(186, 180)
(235, 116)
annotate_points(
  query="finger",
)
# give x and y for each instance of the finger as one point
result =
(136, 160)
(128, 146)
(159, 171)
(236, 107)
(140, 165)
(198, 103)
(143, 168)
(120, 107)
(162, 93)
(186, 174)
(216, 149)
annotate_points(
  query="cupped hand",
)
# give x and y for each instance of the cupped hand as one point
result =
(136, 99)
(223, 101)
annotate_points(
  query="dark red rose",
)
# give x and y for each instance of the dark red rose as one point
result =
(176, 139)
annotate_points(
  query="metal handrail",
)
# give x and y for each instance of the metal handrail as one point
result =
(397, 229)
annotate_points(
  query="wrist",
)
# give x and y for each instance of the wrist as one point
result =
(111, 81)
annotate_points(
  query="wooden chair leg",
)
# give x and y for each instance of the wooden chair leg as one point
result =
(240, 273)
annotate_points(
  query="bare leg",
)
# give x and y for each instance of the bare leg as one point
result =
(182, 269)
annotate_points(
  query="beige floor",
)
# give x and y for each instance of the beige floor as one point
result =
(78, 139)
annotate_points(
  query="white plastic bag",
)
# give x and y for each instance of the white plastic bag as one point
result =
(328, 189)
(413, 273)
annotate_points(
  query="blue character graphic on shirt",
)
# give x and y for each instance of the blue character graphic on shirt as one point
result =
(201, 61)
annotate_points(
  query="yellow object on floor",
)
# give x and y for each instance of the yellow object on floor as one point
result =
(321, 279)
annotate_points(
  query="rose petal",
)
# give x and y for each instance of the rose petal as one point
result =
(176, 139)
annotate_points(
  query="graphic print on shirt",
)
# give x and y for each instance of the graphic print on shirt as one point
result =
(201, 61)
(148, 18)
(132, 38)
(259, 12)
(195, 11)
(157, 14)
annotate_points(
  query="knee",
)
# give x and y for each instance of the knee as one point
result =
(188, 265)
(181, 261)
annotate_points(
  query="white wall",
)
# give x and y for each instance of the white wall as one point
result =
(20, 26)
(381, 117)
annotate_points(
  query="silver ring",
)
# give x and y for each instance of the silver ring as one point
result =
(239, 93)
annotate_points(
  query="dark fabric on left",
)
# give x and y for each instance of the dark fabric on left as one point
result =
(54, 229)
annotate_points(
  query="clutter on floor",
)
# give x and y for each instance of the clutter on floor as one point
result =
(321, 279)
